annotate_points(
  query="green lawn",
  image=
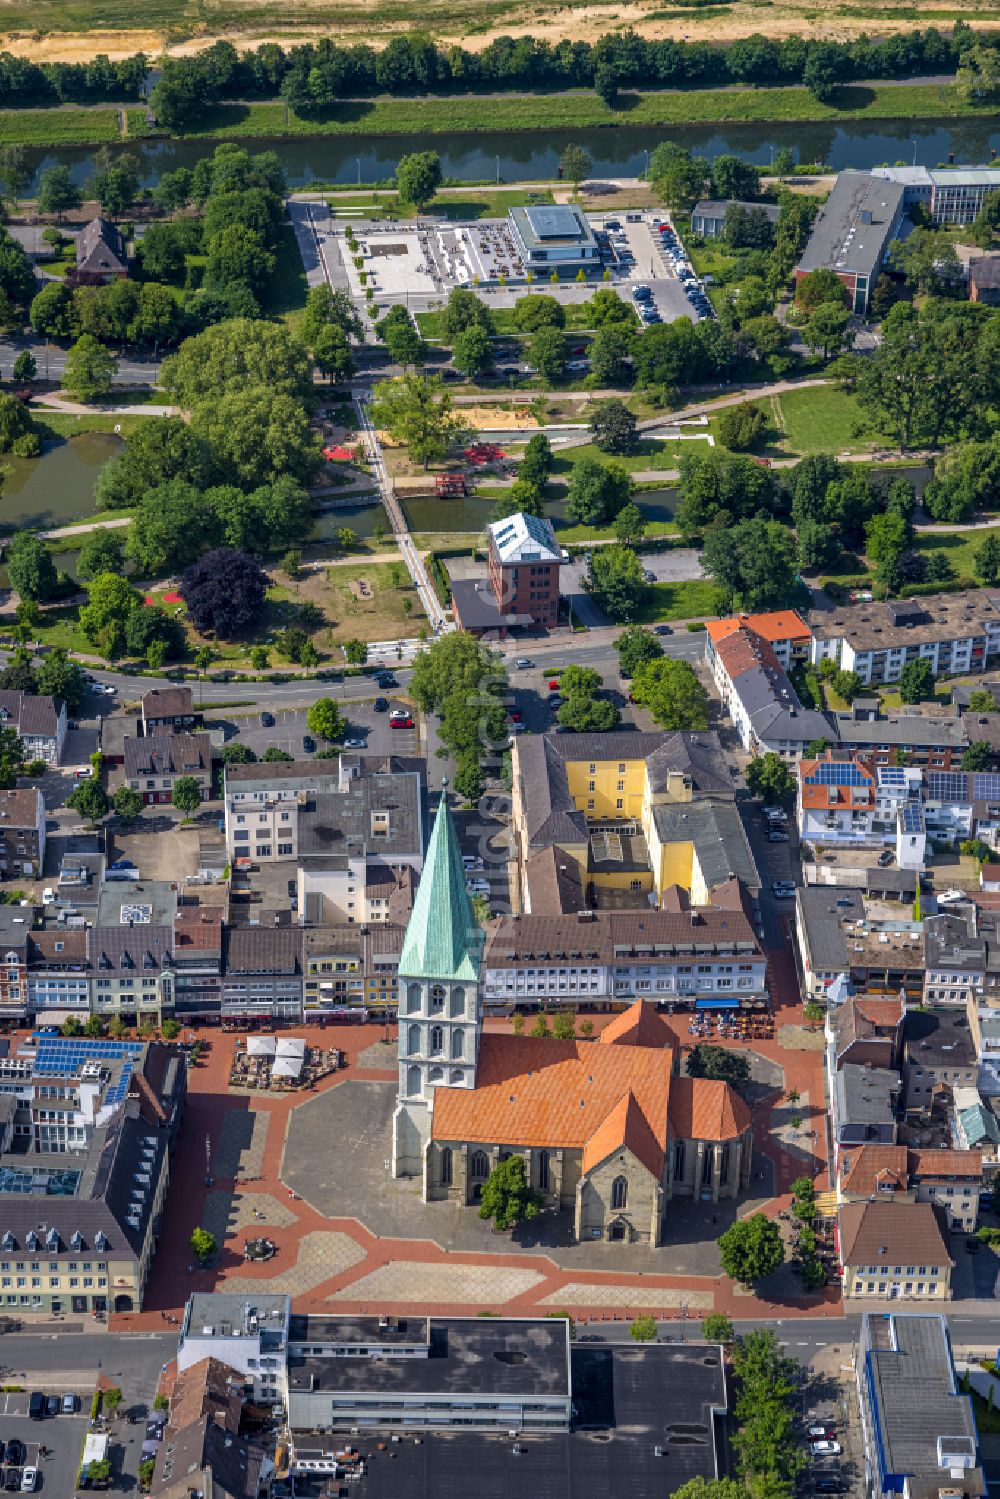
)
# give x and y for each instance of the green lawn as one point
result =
(571, 533)
(476, 203)
(73, 125)
(651, 454)
(817, 420)
(958, 546)
(68, 424)
(689, 600)
(285, 294)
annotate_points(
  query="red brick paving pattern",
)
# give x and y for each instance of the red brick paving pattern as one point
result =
(171, 1280)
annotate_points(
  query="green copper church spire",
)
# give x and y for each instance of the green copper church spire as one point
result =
(443, 938)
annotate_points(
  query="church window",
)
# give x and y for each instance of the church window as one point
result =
(706, 1169)
(543, 1170)
(436, 1075)
(456, 1046)
(437, 998)
(679, 1160)
(457, 1075)
(446, 1166)
(412, 1080)
(724, 1167)
(619, 1194)
(457, 1003)
(413, 998)
(413, 1041)
(479, 1166)
(437, 1038)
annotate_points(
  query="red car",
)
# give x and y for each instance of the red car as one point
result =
(553, 684)
(513, 716)
(401, 723)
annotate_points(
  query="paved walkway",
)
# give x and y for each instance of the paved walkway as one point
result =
(326, 1255)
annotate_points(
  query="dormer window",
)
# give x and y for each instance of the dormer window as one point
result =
(101, 1242)
(31, 1243)
(52, 1241)
(76, 1242)
(12, 957)
(8, 1241)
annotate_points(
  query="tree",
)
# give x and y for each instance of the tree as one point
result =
(846, 684)
(966, 479)
(15, 175)
(928, 260)
(203, 1247)
(112, 1399)
(453, 663)
(224, 592)
(751, 1249)
(643, 1329)
(574, 165)
(90, 369)
(718, 487)
(507, 1198)
(615, 579)
(464, 309)
(57, 192)
(977, 756)
(30, 567)
(89, 799)
(538, 311)
(417, 412)
(925, 381)
(630, 524)
(614, 428)
(916, 682)
(768, 777)
(186, 795)
(564, 1026)
(718, 1064)
(740, 428)
(51, 313)
(258, 436)
(332, 353)
(401, 338)
(548, 352)
(597, 491)
(986, 558)
(238, 355)
(588, 715)
(753, 562)
(58, 676)
(329, 308)
(886, 539)
(678, 177)
(827, 330)
(473, 351)
(110, 603)
(818, 287)
(155, 453)
(171, 528)
(636, 647)
(732, 177)
(610, 352)
(325, 719)
(521, 497)
(101, 551)
(25, 367)
(418, 177)
(715, 1328)
(536, 463)
(237, 753)
(355, 652)
(128, 804)
(818, 546)
(983, 701)
(673, 694)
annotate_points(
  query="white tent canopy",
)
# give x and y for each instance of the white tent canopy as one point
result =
(260, 1046)
(286, 1067)
(292, 1046)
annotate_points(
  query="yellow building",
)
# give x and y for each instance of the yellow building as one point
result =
(629, 814)
(895, 1250)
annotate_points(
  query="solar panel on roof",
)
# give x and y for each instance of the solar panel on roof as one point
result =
(947, 786)
(986, 787)
(912, 817)
(837, 773)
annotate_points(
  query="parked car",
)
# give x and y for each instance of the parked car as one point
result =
(886, 857)
(829, 1483)
(785, 890)
(12, 1480)
(36, 1406)
(662, 630)
(385, 679)
(578, 366)
(381, 705)
(308, 744)
(401, 723)
(479, 886)
(84, 773)
(774, 836)
(825, 1448)
(649, 576)
(52, 1403)
(399, 713)
(267, 720)
(555, 701)
(641, 294)
(29, 1478)
(354, 743)
(523, 663)
(819, 1430)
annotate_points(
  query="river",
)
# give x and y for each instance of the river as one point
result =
(534, 155)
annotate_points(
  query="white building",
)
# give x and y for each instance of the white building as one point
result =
(248, 1331)
(953, 632)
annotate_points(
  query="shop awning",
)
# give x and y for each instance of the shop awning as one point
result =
(716, 1004)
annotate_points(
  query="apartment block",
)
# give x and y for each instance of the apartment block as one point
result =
(953, 632)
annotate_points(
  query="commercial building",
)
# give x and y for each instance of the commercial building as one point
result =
(696, 957)
(554, 238)
(708, 217)
(950, 195)
(521, 587)
(952, 632)
(917, 1426)
(40, 722)
(926, 739)
(429, 1373)
(167, 710)
(262, 973)
(939, 1055)
(866, 1030)
(950, 1179)
(82, 1192)
(131, 951)
(197, 961)
(749, 657)
(155, 763)
(59, 975)
(875, 947)
(852, 233)
(890, 1250)
(247, 1330)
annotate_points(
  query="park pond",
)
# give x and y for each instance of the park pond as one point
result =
(57, 488)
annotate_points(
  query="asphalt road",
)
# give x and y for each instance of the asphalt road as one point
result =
(133, 369)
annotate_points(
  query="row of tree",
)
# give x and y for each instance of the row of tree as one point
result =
(316, 75)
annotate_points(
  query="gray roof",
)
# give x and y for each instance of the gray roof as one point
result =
(168, 702)
(223, 1313)
(15, 928)
(311, 775)
(866, 1096)
(263, 949)
(696, 754)
(902, 729)
(115, 730)
(138, 951)
(100, 248)
(168, 755)
(35, 716)
(852, 229)
(550, 812)
(915, 1401)
(20, 808)
(476, 605)
(715, 208)
(718, 835)
(938, 1038)
(126, 902)
(560, 224)
(774, 709)
(204, 1446)
(822, 909)
(984, 270)
(339, 825)
(949, 943)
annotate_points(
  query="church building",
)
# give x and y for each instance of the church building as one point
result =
(609, 1130)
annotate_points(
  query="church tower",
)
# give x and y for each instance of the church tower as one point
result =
(438, 995)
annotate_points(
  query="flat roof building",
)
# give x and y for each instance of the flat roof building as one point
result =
(554, 236)
(917, 1427)
(852, 233)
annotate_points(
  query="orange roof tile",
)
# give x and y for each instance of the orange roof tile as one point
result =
(879, 1012)
(864, 1167)
(639, 1025)
(626, 1127)
(817, 796)
(701, 1109)
(947, 1163)
(743, 651)
(551, 1094)
(782, 624)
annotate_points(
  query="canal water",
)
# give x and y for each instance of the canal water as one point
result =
(615, 151)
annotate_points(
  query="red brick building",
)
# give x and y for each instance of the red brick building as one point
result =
(521, 588)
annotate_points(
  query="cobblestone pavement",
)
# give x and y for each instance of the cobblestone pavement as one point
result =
(228, 1213)
(346, 1235)
(580, 1293)
(409, 1281)
(241, 1143)
(320, 1257)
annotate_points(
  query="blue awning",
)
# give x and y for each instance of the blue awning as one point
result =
(716, 1004)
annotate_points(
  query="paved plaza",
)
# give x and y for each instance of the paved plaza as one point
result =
(242, 1142)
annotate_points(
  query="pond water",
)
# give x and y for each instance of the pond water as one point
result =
(616, 151)
(59, 486)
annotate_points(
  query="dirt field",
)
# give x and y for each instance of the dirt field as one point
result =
(185, 28)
